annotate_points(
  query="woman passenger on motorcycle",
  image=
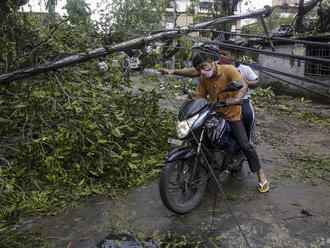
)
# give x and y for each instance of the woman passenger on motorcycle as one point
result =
(215, 78)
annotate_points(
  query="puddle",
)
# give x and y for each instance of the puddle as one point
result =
(203, 238)
(126, 241)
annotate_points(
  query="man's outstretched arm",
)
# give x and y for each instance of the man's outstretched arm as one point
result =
(187, 72)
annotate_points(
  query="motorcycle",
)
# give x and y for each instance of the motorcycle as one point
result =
(206, 144)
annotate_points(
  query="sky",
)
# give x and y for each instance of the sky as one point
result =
(39, 6)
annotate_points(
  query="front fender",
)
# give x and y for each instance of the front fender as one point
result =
(181, 153)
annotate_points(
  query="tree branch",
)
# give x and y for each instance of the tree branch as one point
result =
(303, 9)
(82, 57)
(62, 88)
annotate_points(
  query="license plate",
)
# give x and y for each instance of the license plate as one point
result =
(175, 142)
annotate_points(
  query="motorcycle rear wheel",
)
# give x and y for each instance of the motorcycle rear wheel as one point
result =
(176, 191)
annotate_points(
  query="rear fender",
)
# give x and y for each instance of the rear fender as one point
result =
(181, 153)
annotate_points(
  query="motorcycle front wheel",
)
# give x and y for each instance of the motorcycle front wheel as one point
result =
(178, 192)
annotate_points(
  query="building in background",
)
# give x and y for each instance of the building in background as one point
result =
(290, 7)
(185, 11)
(314, 70)
(281, 2)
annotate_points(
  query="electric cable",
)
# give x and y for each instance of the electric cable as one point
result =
(297, 85)
(309, 80)
(254, 50)
(263, 69)
(305, 42)
(290, 57)
(289, 40)
(302, 62)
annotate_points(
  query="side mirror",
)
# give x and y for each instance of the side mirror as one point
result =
(233, 86)
(185, 89)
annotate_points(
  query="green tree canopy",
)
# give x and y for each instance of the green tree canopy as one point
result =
(134, 14)
(323, 20)
(7, 6)
(50, 6)
(217, 9)
(78, 11)
(273, 22)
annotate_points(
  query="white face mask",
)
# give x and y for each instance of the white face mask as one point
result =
(207, 74)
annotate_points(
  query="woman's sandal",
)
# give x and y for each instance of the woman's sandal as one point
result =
(263, 187)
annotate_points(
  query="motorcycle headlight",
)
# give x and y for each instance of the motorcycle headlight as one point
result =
(183, 127)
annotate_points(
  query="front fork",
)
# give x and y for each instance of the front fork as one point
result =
(197, 158)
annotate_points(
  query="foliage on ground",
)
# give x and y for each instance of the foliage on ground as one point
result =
(305, 115)
(149, 78)
(309, 169)
(70, 133)
(296, 107)
(176, 87)
(261, 95)
(170, 84)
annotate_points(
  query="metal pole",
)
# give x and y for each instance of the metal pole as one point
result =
(262, 20)
(174, 26)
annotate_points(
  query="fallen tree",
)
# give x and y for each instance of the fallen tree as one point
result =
(141, 41)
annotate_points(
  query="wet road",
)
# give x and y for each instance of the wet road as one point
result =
(291, 214)
(274, 219)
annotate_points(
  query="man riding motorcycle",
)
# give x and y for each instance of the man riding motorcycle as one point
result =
(214, 78)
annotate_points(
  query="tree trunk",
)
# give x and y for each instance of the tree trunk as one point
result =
(84, 57)
(303, 9)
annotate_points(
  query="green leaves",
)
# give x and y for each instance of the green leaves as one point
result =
(135, 14)
(263, 93)
(117, 132)
(71, 133)
(100, 139)
(305, 168)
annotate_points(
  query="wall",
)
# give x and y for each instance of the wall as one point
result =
(281, 2)
(292, 67)
(184, 20)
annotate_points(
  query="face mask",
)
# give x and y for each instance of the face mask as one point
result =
(224, 61)
(207, 74)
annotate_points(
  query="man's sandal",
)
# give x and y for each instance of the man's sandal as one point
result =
(263, 187)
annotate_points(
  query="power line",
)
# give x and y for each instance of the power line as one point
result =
(265, 70)
(305, 42)
(297, 85)
(303, 62)
(269, 53)
(314, 43)
(261, 68)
